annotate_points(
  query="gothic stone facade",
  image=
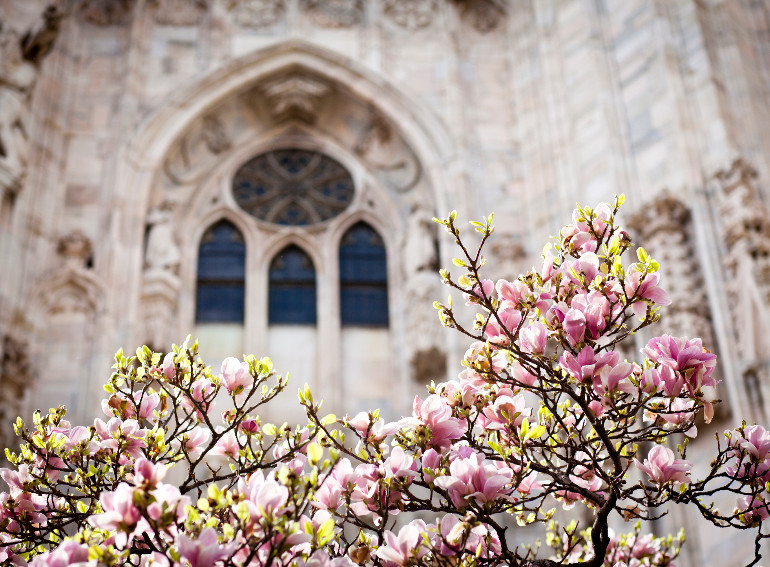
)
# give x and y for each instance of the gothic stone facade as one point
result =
(123, 122)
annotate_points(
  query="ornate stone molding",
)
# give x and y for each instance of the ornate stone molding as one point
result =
(197, 150)
(411, 14)
(256, 14)
(16, 377)
(160, 294)
(483, 15)
(162, 252)
(663, 227)
(385, 151)
(76, 250)
(19, 60)
(105, 12)
(295, 96)
(335, 13)
(178, 12)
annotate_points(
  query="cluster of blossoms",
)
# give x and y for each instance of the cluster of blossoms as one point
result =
(546, 413)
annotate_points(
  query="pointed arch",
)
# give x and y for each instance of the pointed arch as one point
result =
(363, 277)
(221, 275)
(292, 283)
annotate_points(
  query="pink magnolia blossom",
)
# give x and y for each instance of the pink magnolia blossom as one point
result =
(755, 440)
(120, 514)
(685, 356)
(330, 495)
(147, 473)
(169, 371)
(192, 442)
(227, 446)
(645, 286)
(588, 364)
(532, 338)
(236, 375)
(400, 549)
(168, 498)
(456, 535)
(66, 554)
(264, 496)
(511, 292)
(509, 317)
(662, 466)
(436, 414)
(475, 478)
(205, 550)
(753, 509)
(485, 289)
(506, 411)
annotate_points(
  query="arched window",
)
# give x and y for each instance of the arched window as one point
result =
(292, 288)
(363, 278)
(221, 275)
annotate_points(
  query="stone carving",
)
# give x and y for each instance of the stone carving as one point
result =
(393, 162)
(160, 292)
(38, 42)
(422, 286)
(663, 226)
(411, 14)
(746, 232)
(483, 15)
(197, 150)
(17, 78)
(76, 250)
(179, 12)
(256, 14)
(335, 13)
(162, 253)
(105, 12)
(19, 58)
(295, 96)
(15, 377)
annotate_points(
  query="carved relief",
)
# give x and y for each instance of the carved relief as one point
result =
(422, 286)
(411, 14)
(295, 96)
(197, 151)
(19, 57)
(160, 293)
(483, 15)
(256, 14)
(392, 161)
(663, 227)
(105, 12)
(162, 253)
(178, 12)
(335, 13)
(76, 249)
(15, 378)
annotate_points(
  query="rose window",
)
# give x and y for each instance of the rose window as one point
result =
(293, 187)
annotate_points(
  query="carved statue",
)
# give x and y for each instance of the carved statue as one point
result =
(76, 249)
(19, 57)
(162, 251)
(17, 78)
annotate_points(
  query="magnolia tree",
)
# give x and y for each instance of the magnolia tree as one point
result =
(546, 414)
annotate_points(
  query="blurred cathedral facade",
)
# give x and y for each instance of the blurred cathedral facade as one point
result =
(262, 174)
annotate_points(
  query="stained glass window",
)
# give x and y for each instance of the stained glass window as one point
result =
(293, 187)
(363, 278)
(221, 275)
(292, 288)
